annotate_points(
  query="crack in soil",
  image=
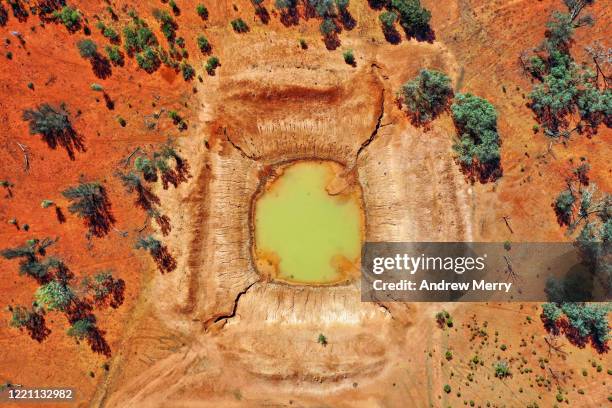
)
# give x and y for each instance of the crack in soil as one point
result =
(232, 314)
(242, 152)
(374, 133)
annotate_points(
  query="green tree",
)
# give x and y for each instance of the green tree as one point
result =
(87, 48)
(203, 44)
(90, 202)
(70, 17)
(349, 58)
(413, 17)
(564, 206)
(478, 148)
(427, 95)
(149, 243)
(211, 65)
(47, 120)
(167, 23)
(202, 11)
(239, 25)
(187, 71)
(502, 369)
(388, 19)
(55, 295)
(114, 54)
(81, 329)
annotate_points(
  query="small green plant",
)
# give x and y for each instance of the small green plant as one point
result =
(507, 245)
(448, 355)
(303, 43)
(46, 203)
(322, 340)
(96, 87)
(121, 121)
(447, 388)
(444, 319)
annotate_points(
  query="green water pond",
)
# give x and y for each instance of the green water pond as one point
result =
(302, 233)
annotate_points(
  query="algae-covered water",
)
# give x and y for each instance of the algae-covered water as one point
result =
(302, 233)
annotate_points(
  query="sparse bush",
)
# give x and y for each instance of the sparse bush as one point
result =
(427, 95)
(239, 25)
(502, 369)
(167, 23)
(447, 388)
(46, 203)
(564, 206)
(70, 17)
(108, 32)
(202, 11)
(32, 320)
(211, 65)
(388, 19)
(114, 54)
(53, 123)
(148, 60)
(90, 202)
(55, 295)
(203, 44)
(138, 37)
(349, 58)
(187, 71)
(81, 329)
(87, 48)
(96, 87)
(322, 340)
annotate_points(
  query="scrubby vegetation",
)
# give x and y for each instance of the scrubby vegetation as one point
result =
(412, 16)
(90, 202)
(239, 26)
(580, 322)
(426, 96)
(211, 65)
(568, 97)
(58, 291)
(70, 17)
(53, 123)
(162, 257)
(478, 147)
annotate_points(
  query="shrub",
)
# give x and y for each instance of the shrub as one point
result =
(87, 48)
(46, 203)
(55, 295)
(149, 243)
(427, 95)
(322, 340)
(564, 205)
(48, 120)
(32, 320)
(114, 54)
(239, 25)
(81, 329)
(349, 58)
(70, 17)
(187, 71)
(167, 23)
(138, 36)
(108, 32)
(211, 65)
(388, 19)
(413, 18)
(202, 11)
(203, 44)
(90, 202)
(96, 87)
(447, 388)
(148, 60)
(502, 369)
(328, 27)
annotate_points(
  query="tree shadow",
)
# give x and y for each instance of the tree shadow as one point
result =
(331, 41)
(392, 35)
(101, 66)
(164, 224)
(19, 10)
(3, 15)
(99, 219)
(110, 104)
(290, 17)
(482, 172)
(163, 259)
(61, 218)
(377, 4)
(347, 20)
(263, 14)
